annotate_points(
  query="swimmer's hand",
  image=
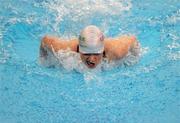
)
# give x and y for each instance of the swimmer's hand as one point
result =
(45, 47)
(135, 49)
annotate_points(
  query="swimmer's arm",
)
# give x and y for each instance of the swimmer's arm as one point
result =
(49, 44)
(119, 47)
(55, 44)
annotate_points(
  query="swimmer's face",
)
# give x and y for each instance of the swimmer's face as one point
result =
(91, 60)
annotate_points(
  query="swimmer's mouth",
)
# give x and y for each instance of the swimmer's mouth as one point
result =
(90, 64)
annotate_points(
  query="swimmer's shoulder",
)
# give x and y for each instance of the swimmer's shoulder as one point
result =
(56, 43)
(73, 44)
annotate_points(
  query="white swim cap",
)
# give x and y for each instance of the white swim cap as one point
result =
(91, 40)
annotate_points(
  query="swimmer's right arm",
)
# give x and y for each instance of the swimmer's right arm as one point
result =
(52, 43)
(49, 43)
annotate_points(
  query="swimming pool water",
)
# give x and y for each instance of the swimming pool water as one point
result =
(147, 92)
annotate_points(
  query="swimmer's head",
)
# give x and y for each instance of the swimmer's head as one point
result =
(91, 46)
(91, 40)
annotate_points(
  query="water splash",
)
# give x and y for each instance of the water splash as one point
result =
(71, 60)
(175, 18)
(70, 14)
(84, 8)
(173, 52)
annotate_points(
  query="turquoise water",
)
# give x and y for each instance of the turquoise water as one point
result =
(146, 92)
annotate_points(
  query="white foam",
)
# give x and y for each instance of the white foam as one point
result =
(70, 60)
(144, 50)
(174, 47)
(93, 77)
(4, 55)
(174, 53)
(175, 18)
(174, 56)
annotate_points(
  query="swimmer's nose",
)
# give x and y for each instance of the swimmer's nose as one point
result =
(92, 58)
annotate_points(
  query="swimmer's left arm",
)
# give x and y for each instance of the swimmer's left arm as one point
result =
(119, 47)
(124, 44)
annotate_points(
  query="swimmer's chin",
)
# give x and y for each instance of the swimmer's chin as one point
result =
(91, 67)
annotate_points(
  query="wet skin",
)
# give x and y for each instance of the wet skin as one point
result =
(91, 60)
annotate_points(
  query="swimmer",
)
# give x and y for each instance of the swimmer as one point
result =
(91, 45)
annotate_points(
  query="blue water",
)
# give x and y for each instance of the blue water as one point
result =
(147, 92)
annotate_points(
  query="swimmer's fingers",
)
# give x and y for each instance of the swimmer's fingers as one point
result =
(43, 52)
(136, 44)
(135, 50)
